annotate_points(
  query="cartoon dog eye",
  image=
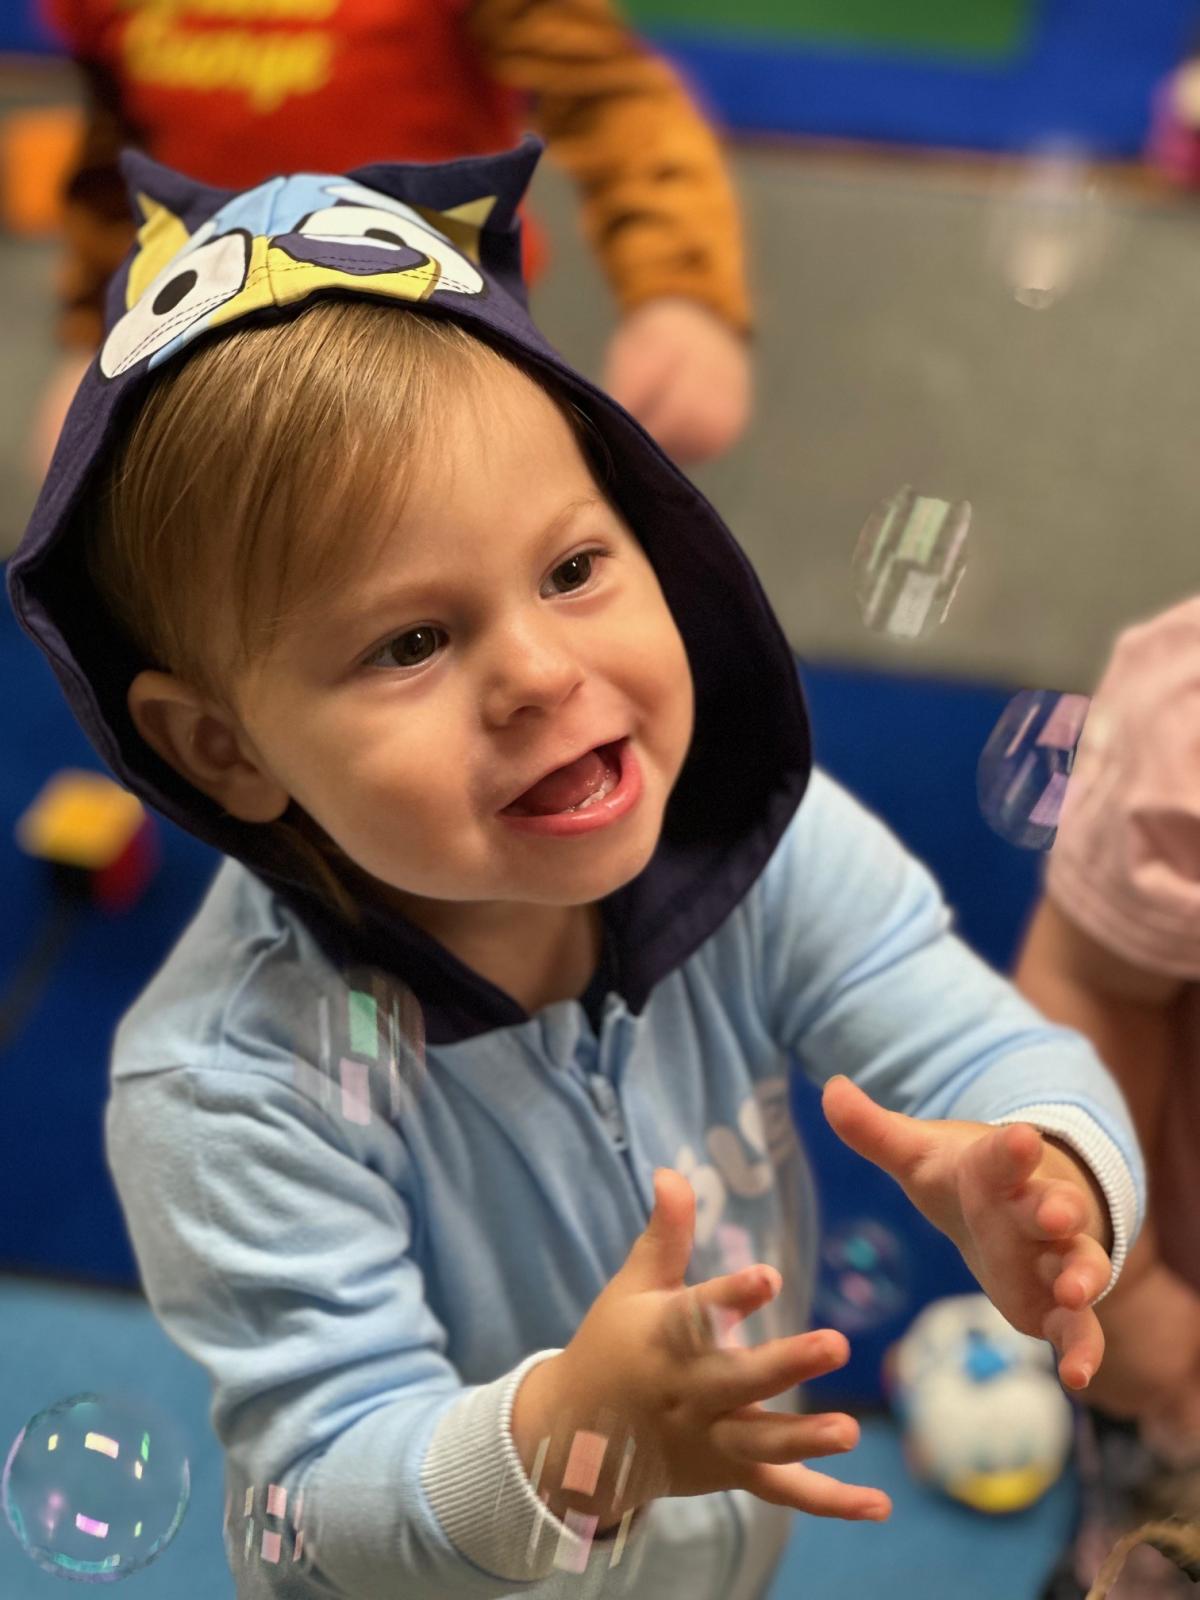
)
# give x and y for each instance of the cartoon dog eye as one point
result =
(389, 231)
(189, 287)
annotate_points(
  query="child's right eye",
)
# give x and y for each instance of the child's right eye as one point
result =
(384, 657)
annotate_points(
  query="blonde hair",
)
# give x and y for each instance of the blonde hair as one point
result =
(245, 472)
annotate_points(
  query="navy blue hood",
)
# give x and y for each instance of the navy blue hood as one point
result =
(439, 240)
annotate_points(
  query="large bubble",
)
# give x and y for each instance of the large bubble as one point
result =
(1050, 225)
(864, 1279)
(1023, 770)
(95, 1487)
(909, 561)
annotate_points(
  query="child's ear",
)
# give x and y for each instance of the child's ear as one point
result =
(206, 746)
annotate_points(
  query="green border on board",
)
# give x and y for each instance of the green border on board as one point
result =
(989, 30)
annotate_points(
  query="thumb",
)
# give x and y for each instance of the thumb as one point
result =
(660, 1255)
(893, 1142)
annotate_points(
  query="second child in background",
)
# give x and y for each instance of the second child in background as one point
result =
(235, 91)
(1114, 950)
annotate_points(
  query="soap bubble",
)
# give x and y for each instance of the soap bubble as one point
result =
(358, 1045)
(612, 1472)
(1022, 775)
(909, 561)
(96, 1487)
(265, 1525)
(1049, 225)
(864, 1277)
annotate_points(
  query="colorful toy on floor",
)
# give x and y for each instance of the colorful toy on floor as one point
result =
(90, 828)
(102, 849)
(984, 1417)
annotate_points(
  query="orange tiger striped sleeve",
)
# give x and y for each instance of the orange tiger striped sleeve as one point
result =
(658, 204)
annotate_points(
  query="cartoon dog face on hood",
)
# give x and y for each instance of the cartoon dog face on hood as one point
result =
(276, 245)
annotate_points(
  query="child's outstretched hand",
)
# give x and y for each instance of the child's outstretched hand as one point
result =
(684, 374)
(1029, 1218)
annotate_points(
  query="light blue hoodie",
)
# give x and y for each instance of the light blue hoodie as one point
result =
(367, 1289)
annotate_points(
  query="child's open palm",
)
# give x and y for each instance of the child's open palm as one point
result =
(1028, 1217)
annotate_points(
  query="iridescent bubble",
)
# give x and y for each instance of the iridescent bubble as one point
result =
(266, 1525)
(909, 561)
(358, 1046)
(96, 1487)
(1023, 771)
(604, 1466)
(864, 1277)
(1049, 225)
(747, 1191)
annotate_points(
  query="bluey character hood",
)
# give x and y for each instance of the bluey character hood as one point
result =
(436, 240)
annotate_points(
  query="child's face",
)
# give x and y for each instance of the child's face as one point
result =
(473, 654)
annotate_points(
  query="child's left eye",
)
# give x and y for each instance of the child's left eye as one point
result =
(584, 555)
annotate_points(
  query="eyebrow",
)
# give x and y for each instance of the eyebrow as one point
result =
(416, 595)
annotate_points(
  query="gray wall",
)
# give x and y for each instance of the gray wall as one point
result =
(890, 351)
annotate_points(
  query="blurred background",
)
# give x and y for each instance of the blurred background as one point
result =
(880, 150)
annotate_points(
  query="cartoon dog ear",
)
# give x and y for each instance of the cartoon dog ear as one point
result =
(476, 200)
(160, 237)
(192, 202)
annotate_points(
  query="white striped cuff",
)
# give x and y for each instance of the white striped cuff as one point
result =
(1092, 1145)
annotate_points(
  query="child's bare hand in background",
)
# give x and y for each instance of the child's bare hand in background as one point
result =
(684, 374)
(1028, 1217)
(646, 1358)
(1151, 1325)
(51, 410)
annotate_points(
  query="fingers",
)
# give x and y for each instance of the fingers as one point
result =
(818, 1495)
(660, 1255)
(1006, 1159)
(892, 1141)
(1003, 1163)
(730, 1380)
(1051, 1211)
(755, 1434)
(703, 1318)
(1079, 1339)
(1077, 1273)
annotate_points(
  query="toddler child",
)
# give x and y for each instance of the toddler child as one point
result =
(453, 1135)
(1114, 950)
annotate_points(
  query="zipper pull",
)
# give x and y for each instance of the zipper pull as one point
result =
(609, 1108)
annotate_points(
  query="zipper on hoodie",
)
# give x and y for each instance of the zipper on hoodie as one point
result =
(604, 1098)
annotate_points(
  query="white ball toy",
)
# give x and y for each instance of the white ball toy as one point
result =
(984, 1415)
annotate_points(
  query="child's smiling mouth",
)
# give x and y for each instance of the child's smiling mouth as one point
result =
(599, 788)
(589, 778)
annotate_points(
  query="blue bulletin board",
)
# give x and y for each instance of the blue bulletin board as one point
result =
(986, 74)
(21, 31)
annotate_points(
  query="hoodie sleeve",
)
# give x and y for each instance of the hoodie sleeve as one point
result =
(277, 1256)
(658, 205)
(861, 974)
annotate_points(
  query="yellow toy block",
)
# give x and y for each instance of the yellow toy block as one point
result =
(81, 819)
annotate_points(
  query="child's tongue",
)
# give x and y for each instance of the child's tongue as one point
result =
(565, 787)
